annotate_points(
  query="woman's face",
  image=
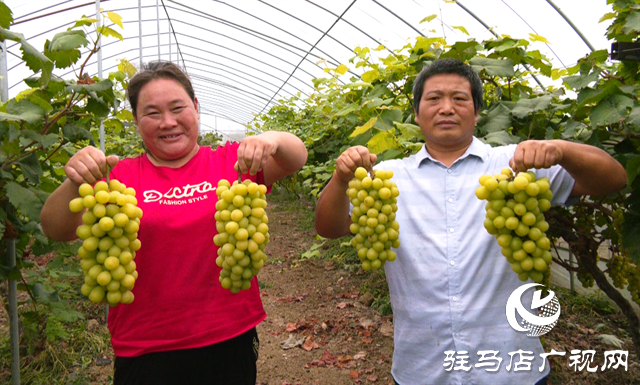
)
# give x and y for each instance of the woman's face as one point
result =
(167, 121)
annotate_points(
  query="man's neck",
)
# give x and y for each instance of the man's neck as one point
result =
(447, 155)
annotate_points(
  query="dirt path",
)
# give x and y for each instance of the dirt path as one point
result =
(319, 330)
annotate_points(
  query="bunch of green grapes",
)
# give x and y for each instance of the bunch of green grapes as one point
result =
(617, 267)
(110, 240)
(515, 216)
(243, 233)
(373, 216)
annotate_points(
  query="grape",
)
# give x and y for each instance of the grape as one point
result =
(243, 232)
(109, 234)
(515, 217)
(374, 208)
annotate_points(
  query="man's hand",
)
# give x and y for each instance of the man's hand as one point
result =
(536, 154)
(89, 165)
(351, 159)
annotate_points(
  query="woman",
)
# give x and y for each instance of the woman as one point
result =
(182, 326)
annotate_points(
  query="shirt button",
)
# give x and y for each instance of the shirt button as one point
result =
(453, 263)
(455, 299)
(451, 230)
(449, 170)
(450, 200)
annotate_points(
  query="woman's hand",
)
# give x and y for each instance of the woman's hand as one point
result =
(253, 153)
(89, 165)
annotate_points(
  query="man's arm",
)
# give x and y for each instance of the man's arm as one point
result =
(595, 172)
(332, 209)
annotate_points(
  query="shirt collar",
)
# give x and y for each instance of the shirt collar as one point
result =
(477, 148)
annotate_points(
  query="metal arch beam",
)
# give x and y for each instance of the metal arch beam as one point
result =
(173, 31)
(267, 38)
(58, 11)
(320, 39)
(227, 107)
(221, 98)
(224, 73)
(351, 24)
(235, 61)
(280, 29)
(239, 53)
(230, 109)
(250, 31)
(496, 35)
(234, 97)
(572, 25)
(225, 113)
(248, 45)
(314, 27)
(224, 67)
(398, 17)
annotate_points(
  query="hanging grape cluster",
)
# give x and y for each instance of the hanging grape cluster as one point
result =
(373, 216)
(515, 216)
(243, 232)
(110, 240)
(623, 271)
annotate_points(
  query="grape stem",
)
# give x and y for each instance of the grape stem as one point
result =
(239, 176)
(108, 172)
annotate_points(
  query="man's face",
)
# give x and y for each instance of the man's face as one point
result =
(446, 115)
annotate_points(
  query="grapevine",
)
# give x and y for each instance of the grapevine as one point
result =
(373, 216)
(243, 233)
(515, 215)
(111, 221)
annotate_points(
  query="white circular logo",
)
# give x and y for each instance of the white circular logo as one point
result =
(535, 325)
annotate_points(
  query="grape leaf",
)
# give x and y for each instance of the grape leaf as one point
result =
(581, 81)
(381, 142)
(610, 110)
(115, 18)
(525, 107)
(108, 32)
(632, 23)
(28, 201)
(75, 134)
(22, 110)
(496, 119)
(493, 67)
(31, 169)
(34, 59)
(6, 15)
(68, 40)
(387, 119)
(370, 75)
(364, 128)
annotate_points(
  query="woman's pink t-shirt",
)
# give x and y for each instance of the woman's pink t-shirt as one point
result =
(179, 303)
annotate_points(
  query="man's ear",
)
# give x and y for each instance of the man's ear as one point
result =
(196, 105)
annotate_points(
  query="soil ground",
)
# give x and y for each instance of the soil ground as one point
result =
(322, 329)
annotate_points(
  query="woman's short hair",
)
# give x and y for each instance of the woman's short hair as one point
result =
(157, 70)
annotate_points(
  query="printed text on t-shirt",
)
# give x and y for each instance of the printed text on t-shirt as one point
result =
(180, 195)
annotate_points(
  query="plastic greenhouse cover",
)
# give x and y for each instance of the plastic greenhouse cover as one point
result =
(245, 56)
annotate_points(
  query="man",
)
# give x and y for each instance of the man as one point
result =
(450, 283)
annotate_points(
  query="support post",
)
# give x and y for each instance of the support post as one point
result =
(140, 32)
